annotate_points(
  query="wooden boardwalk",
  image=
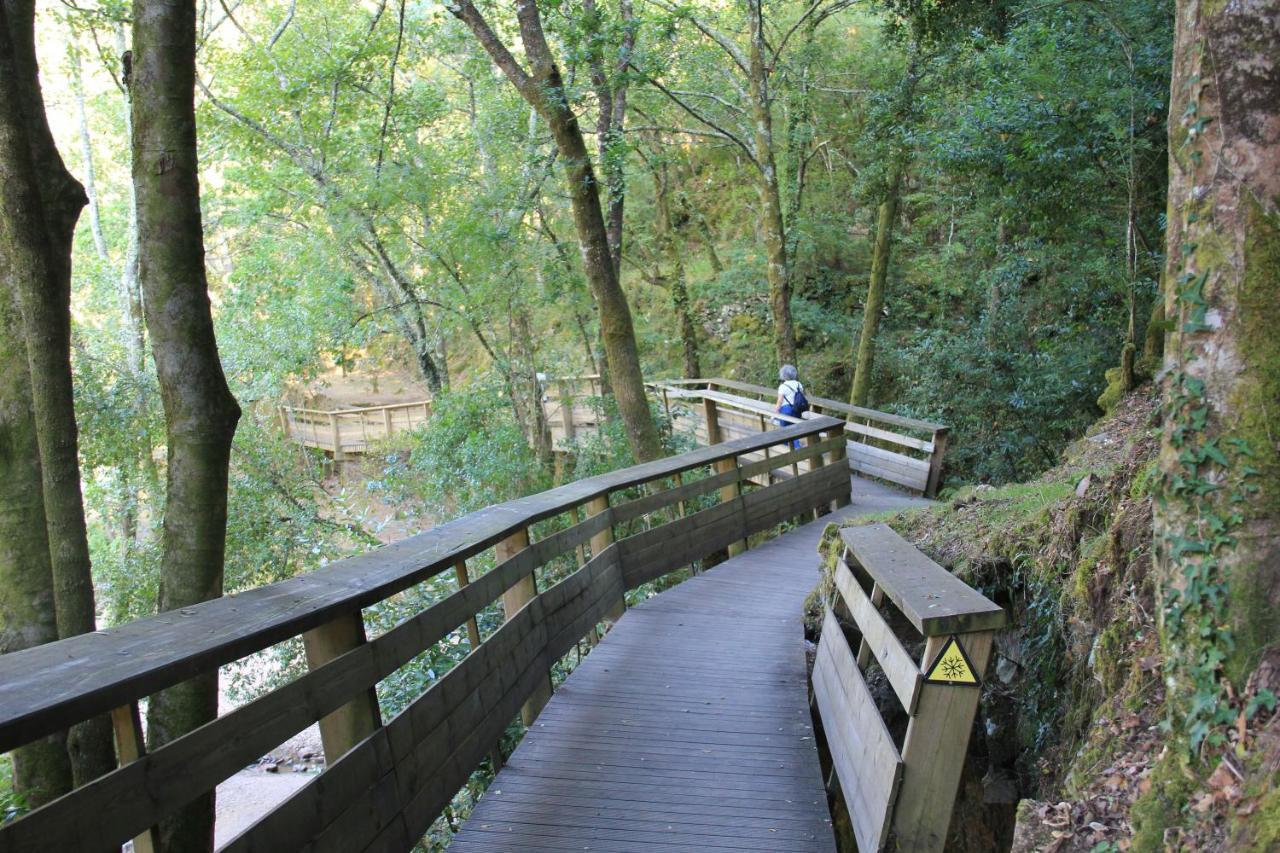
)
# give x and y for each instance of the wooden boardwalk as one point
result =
(688, 727)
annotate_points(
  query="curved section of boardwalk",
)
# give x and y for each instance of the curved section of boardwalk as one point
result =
(687, 728)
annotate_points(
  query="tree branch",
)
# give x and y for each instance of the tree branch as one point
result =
(465, 11)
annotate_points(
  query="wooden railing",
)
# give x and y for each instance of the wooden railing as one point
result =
(897, 449)
(906, 787)
(571, 406)
(344, 432)
(387, 780)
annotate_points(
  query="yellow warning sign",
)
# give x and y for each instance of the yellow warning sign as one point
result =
(952, 666)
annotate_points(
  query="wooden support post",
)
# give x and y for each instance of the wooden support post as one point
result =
(599, 542)
(940, 439)
(864, 648)
(666, 403)
(515, 598)
(580, 552)
(566, 410)
(839, 456)
(473, 637)
(934, 750)
(284, 421)
(473, 629)
(711, 414)
(386, 420)
(130, 746)
(336, 435)
(731, 492)
(815, 462)
(359, 718)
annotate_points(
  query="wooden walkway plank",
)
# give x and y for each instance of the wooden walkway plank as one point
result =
(687, 728)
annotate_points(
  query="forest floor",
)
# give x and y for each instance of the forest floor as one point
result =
(334, 389)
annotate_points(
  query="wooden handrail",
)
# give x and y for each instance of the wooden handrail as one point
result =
(434, 744)
(908, 791)
(819, 402)
(46, 688)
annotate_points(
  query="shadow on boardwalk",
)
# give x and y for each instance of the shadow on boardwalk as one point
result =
(688, 727)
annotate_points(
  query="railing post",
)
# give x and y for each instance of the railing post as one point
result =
(934, 750)
(520, 594)
(940, 439)
(839, 456)
(359, 718)
(386, 420)
(599, 542)
(473, 637)
(711, 414)
(731, 492)
(566, 410)
(336, 434)
(815, 462)
(130, 746)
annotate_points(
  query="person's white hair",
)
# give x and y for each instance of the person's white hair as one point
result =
(788, 372)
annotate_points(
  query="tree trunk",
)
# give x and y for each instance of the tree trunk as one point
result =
(544, 90)
(130, 289)
(200, 412)
(888, 213)
(1217, 521)
(42, 203)
(611, 93)
(42, 770)
(526, 353)
(671, 250)
(775, 234)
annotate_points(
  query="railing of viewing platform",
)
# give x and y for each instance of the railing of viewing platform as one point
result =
(353, 430)
(387, 780)
(900, 450)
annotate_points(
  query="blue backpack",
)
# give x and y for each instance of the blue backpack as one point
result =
(799, 403)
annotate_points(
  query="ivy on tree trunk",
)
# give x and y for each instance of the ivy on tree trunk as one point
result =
(1217, 518)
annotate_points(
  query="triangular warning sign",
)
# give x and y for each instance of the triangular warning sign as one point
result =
(952, 666)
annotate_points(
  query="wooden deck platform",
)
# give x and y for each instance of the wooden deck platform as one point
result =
(688, 727)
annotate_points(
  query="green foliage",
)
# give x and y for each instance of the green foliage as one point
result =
(471, 454)
(12, 805)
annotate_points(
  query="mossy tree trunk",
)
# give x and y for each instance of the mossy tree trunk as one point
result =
(42, 203)
(673, 252)
(1217, 518)
(885, 218)
(543, 88)
(42, 770)
(777, 268)
(200, 412)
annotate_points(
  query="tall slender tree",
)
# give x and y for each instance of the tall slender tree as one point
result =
(542, 86)
(200, 412)
(43, 203)
(747, 123)
(882, 250)
(42, 770)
